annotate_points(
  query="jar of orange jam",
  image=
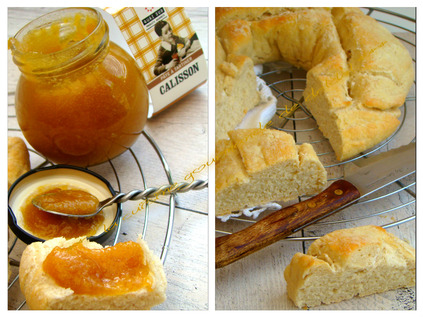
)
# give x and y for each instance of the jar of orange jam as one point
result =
(80, 99)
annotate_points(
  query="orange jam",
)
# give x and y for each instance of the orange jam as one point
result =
(52, 39)
(108, 271)
(45, 225)
(80, 99)
(72, 202)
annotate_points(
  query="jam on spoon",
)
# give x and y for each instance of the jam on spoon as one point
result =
(71, 202)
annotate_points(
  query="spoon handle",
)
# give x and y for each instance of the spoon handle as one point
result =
(169, 189)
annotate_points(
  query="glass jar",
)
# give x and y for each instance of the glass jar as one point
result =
(80, 99)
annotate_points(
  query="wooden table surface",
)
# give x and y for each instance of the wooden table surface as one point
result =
(181, 133)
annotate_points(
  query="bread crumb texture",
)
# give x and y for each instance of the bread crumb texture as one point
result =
(347, 263)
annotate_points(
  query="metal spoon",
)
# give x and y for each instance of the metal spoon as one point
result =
(169, 189)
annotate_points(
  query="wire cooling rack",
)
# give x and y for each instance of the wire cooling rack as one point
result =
(111, 170)
(287, 84)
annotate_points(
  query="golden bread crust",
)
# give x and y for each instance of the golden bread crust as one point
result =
(262, 148)
(381, 68)
(231, 168)
(18, 162)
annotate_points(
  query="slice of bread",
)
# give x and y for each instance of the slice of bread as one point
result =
(257, 166)
(350, 262)
(234, 96)
(42, 292)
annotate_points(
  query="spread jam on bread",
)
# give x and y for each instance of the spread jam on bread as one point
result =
(107, 271)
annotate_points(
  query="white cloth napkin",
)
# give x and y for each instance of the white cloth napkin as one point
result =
(261, 114)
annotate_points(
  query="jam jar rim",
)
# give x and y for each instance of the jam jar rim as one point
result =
(18, 54)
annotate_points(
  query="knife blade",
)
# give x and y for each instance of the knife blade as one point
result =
(362, 177)
(370, 174)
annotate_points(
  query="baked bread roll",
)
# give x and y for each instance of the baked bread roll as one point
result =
(350, 262)
(358, 76)
(257, 166)
(42, 291)
(17, 159)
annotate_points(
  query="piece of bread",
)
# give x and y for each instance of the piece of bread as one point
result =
(358, 76)
(233, 96)
(42, 292)
(350, 262)
(17, 159)
(257, 166)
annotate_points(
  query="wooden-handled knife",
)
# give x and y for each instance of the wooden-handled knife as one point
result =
(361, 178)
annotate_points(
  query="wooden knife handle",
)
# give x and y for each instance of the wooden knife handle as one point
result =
(283, 223)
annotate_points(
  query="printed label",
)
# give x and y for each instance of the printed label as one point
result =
(166, 49)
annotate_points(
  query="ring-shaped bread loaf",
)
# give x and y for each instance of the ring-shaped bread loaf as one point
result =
(358, 73)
